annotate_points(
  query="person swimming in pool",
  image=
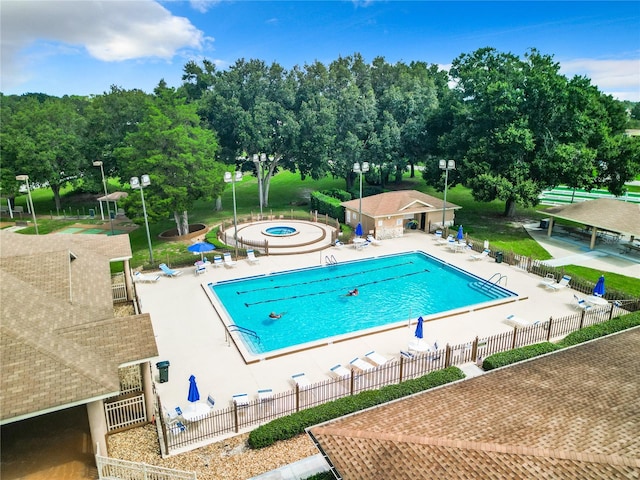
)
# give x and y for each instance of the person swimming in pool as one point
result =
(353, 293)
(275, 315)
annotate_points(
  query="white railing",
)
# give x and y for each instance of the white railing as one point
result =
(125, 413)
(130, 379)
(119, 292)
(115, 469)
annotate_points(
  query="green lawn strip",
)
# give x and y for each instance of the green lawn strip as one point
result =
(284, 428)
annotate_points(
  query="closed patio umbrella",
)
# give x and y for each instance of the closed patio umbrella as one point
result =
(201, 248)
(460, 235)
(194, 394)
(419, 333)
(359, 230)
(598, 290)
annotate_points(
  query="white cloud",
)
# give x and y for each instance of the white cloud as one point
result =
(109, 30)
(619, 78)
(203, 6)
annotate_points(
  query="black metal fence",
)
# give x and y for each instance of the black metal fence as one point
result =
(236, 418)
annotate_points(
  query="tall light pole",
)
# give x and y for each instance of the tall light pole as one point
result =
(98, 163)
(357, 168)
(25, 178)
(446, 165)
(144, 181)
(233, 178)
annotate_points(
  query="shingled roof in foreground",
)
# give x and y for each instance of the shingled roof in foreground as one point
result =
(571, 414)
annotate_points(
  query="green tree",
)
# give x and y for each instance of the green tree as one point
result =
(178, 154)
(44, 139)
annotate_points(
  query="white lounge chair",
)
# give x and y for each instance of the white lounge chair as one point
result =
(338, 244)
(372, 240)
(548, 279)
(217, 261)
(210, 400)
(265, 394)
(563, 283)
(241, 399)
(377, 359)
(340, 371)
(479, 256)
(228, 261)
(518, 322)
(360, 364)
(251, 256)
(143, 278)
(301, 380)
(581, 303)
(200, 267)
(168, 271)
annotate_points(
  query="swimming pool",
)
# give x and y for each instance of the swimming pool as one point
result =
(315, 306)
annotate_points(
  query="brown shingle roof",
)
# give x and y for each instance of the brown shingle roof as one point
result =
(399, 202)
(60, 341)
(605, 213)
(572, 414)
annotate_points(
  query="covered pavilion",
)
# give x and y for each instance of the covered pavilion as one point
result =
(601, 215)
(112, 197)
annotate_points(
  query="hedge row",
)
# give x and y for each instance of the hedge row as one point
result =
(324, 204)
(580, 336)
(502, 359)
(600, 330)
(288, 427)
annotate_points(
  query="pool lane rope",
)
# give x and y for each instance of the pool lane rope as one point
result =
(327, 279)
(336, 289)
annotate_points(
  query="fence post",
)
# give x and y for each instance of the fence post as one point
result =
(297, 397)
(582, 319)
(401, 370)
(549, 328)
(513, 341)
(474, 350)
(611, 312)
(236, 418)
(447, 357)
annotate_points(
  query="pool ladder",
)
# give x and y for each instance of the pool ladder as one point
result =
(330, 260)
(498, 281)
(237, 328)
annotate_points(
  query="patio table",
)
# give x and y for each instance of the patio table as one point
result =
(596, 301)
(195, 410)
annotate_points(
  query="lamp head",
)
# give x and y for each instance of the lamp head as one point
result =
(22, 178)
(145, 180)
(97, 163)
(134, 182)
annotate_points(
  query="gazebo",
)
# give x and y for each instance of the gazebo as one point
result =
(603, 214)
(112, 197)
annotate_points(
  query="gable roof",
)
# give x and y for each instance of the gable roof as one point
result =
(570, 414)
(60, 342)
(398, 203)
(603, 213)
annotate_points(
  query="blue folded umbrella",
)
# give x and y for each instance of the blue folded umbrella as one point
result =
(598, 290)
(194, 394)
(419, 333)
(359, 230)
(460, 235)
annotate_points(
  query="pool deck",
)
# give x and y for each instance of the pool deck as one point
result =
(190, 335)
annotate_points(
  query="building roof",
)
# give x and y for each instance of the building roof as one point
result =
(60, 341)
(400, 202)
(602, 213)
(570, 414)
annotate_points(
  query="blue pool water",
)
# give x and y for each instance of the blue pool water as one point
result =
(280, 231)
(391, 289)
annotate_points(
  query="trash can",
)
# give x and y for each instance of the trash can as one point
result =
(163, 369)
(544, 223)
(92, 213)
(112, 215)
(499, 256)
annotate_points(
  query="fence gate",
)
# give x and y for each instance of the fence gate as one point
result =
(125, 413)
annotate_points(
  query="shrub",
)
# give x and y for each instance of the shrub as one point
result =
(599, 330)
(517, 355)
(288, 427)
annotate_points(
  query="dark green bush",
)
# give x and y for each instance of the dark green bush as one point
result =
(341, 195)
(517, 355)
(595, 331)
(325, 204)
(288, 427)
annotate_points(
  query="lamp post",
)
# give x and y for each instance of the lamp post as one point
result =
(98, 163)
(233, 178)
(357, 168)
(446, 165)
(144, 181)
(259, 161)
(25, 178)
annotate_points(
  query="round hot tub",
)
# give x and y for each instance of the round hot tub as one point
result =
(280, 231)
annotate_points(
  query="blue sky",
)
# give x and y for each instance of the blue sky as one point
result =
(82, 47)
